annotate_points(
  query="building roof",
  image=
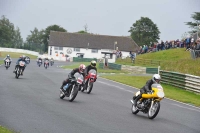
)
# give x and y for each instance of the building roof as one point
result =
(91, 41)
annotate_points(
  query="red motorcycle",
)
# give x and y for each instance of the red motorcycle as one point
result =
(90, 78)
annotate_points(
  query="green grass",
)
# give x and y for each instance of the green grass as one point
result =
(98, 69)
(170, 91)
(5, 130)
(177, 60)
(1, 62)
(16, 55)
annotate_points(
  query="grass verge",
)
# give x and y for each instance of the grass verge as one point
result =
(170, 91)
(16, 55)
(5, 130)
(98, 69)
(1, 62)
(177, 60)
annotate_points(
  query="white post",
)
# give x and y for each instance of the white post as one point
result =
(159, 70)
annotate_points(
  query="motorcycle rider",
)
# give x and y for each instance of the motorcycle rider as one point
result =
(52, 60)
(39, 58)
(79, 70)
(155, 80)
(89, 67)
(46, 59)
(21, 58)
(7, 57)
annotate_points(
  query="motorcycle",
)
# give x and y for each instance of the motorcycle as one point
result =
(7, 63)
(46, 63)
(39, 63)
(27, 59)
(90, 78)
(72, 89)
(150, 102)
(51, 62)
(19, 69)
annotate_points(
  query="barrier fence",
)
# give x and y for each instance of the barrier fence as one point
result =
(183, 81)
(195, 54)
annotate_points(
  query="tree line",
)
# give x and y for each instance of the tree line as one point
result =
(144, 32)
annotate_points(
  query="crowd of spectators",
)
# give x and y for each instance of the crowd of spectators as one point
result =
(188, 43)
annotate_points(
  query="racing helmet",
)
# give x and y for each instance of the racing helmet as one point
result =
(82, 68)
(156, 78)
(93, 63)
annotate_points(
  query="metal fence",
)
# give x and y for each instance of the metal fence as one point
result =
(183, 81)
(195, 54)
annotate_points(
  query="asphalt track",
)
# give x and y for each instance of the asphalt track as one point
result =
(31, 104)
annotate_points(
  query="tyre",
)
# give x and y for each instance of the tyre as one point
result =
(17, 73)
(62, 95)
(153, 111)
(73, 93)
(89, 87)
(134, 109)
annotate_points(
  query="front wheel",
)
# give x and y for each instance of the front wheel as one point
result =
(62, 95)
(134, 109)
(153, 110)
(89, 87)
(17, 73)
(73, 93)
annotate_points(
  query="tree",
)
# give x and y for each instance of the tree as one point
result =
(194, 25)
(35, 40)
(46, 34)
(82, 31)
(7, 31)
(144, 31)
(18, 41)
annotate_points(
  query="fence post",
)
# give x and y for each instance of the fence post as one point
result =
(159, 70)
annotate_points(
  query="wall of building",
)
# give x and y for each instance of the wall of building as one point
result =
(57, 53)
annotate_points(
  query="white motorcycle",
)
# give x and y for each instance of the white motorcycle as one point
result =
(7, 63)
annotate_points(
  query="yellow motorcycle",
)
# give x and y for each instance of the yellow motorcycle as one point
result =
(150, 102)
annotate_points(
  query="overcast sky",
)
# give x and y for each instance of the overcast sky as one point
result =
(106, 17)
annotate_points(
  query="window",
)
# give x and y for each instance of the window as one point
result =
(94, 50)
(77, 49)
(56, 48)
(60, 48)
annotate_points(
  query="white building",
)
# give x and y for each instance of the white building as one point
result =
(63, 44)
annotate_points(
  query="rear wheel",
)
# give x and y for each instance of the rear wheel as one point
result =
(153, 111)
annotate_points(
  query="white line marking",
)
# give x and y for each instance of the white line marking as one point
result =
(116, 86)
(186, 107)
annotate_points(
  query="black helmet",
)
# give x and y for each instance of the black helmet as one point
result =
(93, 63)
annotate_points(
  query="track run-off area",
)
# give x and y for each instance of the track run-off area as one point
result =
(31, 104)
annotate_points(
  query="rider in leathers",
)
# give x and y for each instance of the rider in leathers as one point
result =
(7, 57)
(22, 58)
(89, 67)
(156, 79)
(79, 70)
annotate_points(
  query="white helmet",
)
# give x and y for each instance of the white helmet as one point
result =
(156, 78)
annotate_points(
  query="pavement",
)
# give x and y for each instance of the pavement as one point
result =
(31, 104)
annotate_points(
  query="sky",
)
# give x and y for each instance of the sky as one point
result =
(103, 17)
